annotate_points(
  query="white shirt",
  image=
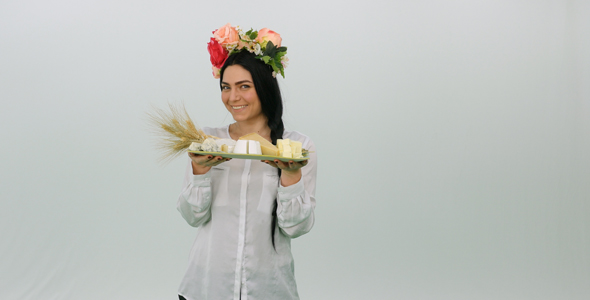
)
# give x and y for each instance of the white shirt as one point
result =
(232, 256)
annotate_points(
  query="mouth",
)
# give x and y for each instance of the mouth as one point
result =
(238, 107)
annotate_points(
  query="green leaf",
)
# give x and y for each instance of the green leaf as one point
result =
(253, 35)
(266, 59)
(270, 50)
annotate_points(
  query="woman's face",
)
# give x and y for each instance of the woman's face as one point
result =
(239, 95)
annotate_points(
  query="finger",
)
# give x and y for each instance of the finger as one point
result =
(293, 165)
(190, 154)
(281, 164)
(270, 163)
(197, 158)
(217, 160)
(205, 161)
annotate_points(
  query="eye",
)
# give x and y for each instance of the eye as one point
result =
(224, 87)
(245, 86)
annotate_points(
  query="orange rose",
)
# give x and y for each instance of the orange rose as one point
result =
(265, 35)
(227, 35)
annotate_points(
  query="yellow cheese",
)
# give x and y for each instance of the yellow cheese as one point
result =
(286, 151)
(296, 149)
(285, 148)
(289, 148)
(280, 146)
(224, 148)
(267, 147)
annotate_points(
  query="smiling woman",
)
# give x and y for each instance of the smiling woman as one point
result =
(247, 211)
(239, 96)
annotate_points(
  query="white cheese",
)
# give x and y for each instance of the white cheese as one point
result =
(209, 145)
(195, 146)
(247, 147)
(241, 147)
(254, 147)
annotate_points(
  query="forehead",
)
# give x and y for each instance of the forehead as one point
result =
(236, 73)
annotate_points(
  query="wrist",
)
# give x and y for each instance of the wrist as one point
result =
(199, 170)
(290, 177)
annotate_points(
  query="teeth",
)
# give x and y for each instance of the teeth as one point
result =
(238, 107)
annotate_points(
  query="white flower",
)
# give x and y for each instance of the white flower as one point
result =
(274, 74)
(230, 47)
(284, 61)
(257, 49)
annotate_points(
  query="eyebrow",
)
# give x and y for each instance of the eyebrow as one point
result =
(239, 82)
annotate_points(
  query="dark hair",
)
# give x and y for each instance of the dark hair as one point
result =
(271, 102)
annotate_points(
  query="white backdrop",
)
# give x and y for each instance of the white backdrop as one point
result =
(453, 139)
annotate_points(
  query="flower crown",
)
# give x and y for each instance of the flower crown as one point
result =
(265, 43)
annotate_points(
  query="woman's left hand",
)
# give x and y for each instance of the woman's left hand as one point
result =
(291, 170)
(287, 166)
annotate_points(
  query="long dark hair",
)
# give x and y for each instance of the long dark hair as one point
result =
(271, 102)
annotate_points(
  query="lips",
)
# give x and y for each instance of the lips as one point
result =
(239, 107)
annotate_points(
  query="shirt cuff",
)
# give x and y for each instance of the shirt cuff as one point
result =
(202, 180)
(287, 193)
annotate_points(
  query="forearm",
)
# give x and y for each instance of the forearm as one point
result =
(198, 169)
(289, 178)
(194, 202)
(295, 210)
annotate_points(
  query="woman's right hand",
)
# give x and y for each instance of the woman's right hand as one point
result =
(203, 163)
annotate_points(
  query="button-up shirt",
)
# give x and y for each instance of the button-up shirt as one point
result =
(233, 255)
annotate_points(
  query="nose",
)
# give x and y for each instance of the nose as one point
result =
(233, 95)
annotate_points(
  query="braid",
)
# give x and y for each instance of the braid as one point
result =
(276, 132)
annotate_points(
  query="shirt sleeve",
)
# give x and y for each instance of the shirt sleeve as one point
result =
(296, 203)
(194, 202)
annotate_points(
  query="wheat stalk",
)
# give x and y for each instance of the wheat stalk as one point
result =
(175, 129)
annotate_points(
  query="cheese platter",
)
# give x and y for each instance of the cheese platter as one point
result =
(251, 146)
(250, 156)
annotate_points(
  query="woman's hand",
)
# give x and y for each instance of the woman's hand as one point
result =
(291, 170)
(203, 163)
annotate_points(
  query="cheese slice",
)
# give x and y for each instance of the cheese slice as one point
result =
(296, 149)
(267, 147)
(289, 148)
(241, 147)
(254, 147)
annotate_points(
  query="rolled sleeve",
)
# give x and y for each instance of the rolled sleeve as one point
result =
(194, 202)
(295, 210)
(287, 193)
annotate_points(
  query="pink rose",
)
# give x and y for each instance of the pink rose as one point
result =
(216, 72)
(265, 35)
(226, 35)
(217, 52)
(242, 44)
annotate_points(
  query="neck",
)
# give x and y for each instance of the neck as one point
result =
(239, 129)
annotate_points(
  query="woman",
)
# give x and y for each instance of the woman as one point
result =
(247, 211)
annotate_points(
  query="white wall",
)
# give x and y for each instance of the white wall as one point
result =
(453, 139)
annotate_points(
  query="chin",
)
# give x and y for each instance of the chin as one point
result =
(239, 118)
